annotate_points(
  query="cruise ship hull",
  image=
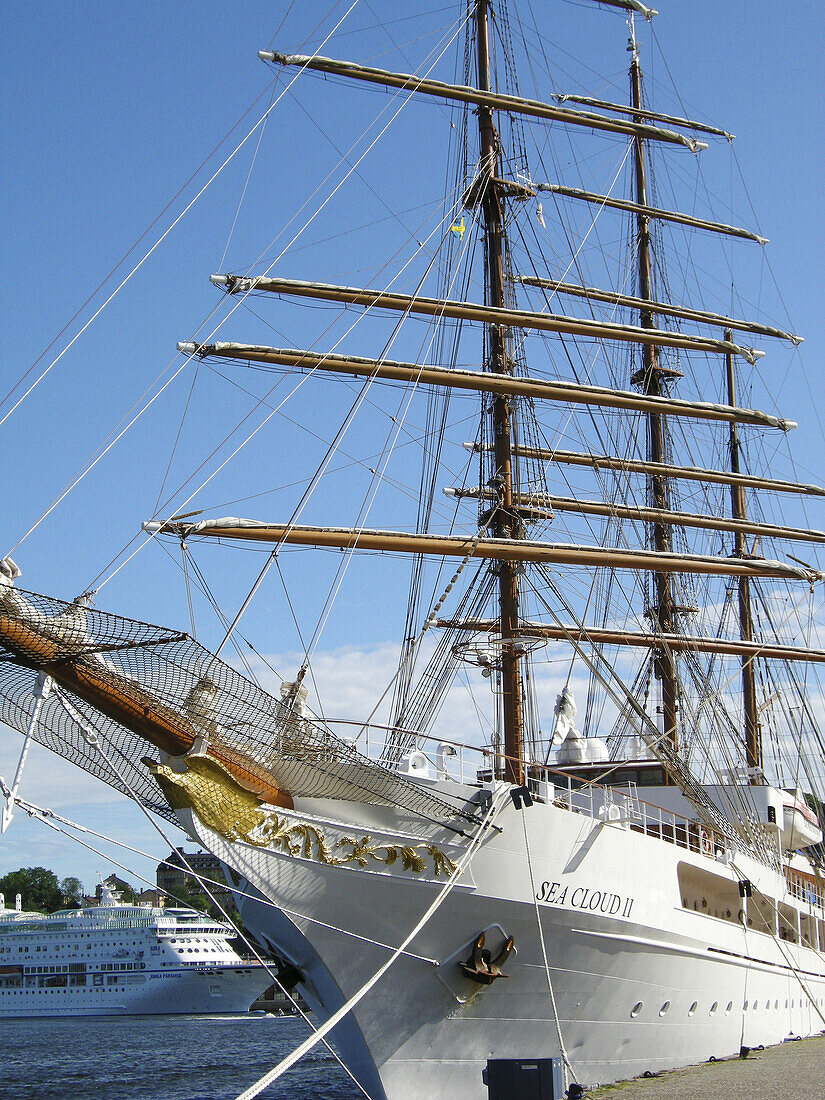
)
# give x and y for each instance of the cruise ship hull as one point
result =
(639, 974)
(195, 992)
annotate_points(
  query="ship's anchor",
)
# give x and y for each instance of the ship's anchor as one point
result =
(481, 967)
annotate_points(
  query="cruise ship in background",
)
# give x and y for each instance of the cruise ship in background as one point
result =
(117, 959)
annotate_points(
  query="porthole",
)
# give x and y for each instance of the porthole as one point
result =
(729, 1008)
(767, 1006)
(786, 1002)
(745, 1006)
(755, 1005)
(664, 1008)
(692, 1008)
(712, 1009)
(776, 1004)
(637, 1008)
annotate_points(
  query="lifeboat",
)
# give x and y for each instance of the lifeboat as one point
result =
(800, 825)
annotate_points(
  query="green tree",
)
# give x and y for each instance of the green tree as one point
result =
(128, 895)
(72, 889)
(199, 901)
(38, 888)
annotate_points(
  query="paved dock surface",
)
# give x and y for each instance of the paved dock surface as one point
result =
(791, 1071)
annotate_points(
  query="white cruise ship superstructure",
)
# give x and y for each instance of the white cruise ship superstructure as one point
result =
(117, 959)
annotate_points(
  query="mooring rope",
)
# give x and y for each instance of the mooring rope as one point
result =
(496, 804)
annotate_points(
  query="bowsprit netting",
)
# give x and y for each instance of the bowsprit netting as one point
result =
(132, 687)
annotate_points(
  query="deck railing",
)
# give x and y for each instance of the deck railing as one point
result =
(438, 759)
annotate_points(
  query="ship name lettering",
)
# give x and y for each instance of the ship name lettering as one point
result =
(582, 897)
(548, 891)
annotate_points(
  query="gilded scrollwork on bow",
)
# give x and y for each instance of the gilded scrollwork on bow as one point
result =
(235, 813)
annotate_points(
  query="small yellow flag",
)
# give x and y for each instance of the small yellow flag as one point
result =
(459, 228)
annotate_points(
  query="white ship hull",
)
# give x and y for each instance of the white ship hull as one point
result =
(224, 990)
(117, 959)
(640, 981)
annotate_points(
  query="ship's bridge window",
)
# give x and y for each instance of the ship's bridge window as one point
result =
(616, 777)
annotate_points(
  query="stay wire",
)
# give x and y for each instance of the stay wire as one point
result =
(140, 263)
(93, 738)
(237, 305)
(498, 801)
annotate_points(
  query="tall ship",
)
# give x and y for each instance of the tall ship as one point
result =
(116, 959)
(622, 866)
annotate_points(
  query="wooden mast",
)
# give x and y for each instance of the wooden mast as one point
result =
(505, 522)
(753, 736)
(650, 378)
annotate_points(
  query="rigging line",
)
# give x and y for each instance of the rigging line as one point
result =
(425, 348)
(587, 369)
(416, 642)
(543, 40)
(156, 245)
(561, 428)
(410, 90)
(231, 456)
(804, 689)
(383, 23)
(48, 817)
(574, 258)
(569, 1071)
(299, 632)
(394, 216)
(398, 421)
(94, 739)
(90, 466)
(120, 262)
(123, 283)
(286, 16)
(793, 610)
(342, 159)
(324, 131)
(413, 439)
(195, 374)
(113, 440)
(374, 57)
(497, 803)
(185, 556)
(152, 535)
(362, 463)
(246, 185)
(620, 695)
(128, 277)
(342, 430)
(222, 619)
(297, 511)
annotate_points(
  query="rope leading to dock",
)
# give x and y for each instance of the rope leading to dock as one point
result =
(569, 1072)
(500, 798)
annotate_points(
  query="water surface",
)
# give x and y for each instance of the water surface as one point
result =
(162, 1058)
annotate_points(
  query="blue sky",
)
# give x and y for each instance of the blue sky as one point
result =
(109, 109)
